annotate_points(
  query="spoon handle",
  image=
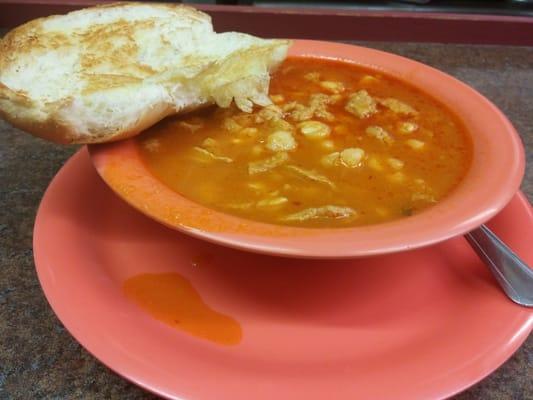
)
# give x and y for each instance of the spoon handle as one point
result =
(513, 274)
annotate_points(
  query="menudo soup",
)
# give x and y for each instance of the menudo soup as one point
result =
(340, 146)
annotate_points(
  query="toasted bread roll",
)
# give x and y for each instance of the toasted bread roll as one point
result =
(106, 73)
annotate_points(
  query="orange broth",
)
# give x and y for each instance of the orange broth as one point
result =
(341, 146)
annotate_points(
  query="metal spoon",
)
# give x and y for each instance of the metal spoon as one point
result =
(513, 274)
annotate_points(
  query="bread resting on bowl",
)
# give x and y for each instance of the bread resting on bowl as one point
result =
(106, 73)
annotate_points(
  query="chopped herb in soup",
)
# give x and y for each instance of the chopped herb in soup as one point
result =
(340, 146)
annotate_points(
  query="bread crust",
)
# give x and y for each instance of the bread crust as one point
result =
(52, 120)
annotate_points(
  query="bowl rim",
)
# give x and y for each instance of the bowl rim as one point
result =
(495, 175)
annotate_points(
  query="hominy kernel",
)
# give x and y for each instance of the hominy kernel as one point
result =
(352, 157)
(314, 129)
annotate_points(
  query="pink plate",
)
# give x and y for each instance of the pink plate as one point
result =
(422, 324)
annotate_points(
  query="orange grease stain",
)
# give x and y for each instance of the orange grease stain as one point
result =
(170, 298)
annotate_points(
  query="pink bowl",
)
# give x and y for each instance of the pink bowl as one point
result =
(494, 177)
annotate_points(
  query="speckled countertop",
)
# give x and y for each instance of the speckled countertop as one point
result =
(39, 359)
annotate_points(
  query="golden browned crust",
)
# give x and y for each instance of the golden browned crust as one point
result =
(19, 110)
(109, 60)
